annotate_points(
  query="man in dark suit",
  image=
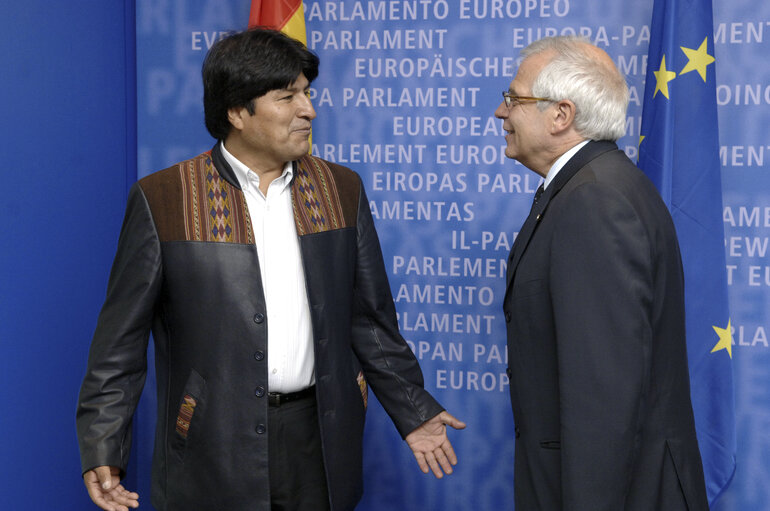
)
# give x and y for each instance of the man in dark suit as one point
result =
(594, 302)
(259, 272)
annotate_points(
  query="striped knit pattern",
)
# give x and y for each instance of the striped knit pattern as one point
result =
(186, 411)
(317, 205)
(363, 388)
(213, 209)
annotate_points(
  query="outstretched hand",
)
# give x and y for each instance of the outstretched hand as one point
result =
(431, 446)
(104, 488)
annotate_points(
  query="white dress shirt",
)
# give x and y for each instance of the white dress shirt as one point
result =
(289, 340)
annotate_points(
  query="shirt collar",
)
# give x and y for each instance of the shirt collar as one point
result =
(561, 161)
(247, 177)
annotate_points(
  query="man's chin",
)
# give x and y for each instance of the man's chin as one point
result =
(301, 150)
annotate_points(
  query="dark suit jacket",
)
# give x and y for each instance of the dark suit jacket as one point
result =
(596, 339)
(186, 267)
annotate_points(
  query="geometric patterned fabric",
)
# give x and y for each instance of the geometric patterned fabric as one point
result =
(316, 200)
(214, 210)
(186, 410)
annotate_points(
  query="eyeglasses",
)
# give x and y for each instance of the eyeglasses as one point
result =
(512, 100)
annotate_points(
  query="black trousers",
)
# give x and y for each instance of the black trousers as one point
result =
(295, 460)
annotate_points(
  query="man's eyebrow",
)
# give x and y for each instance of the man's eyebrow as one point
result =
(294, 87)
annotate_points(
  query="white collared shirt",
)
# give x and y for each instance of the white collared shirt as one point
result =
(290, 342)
(560, 162)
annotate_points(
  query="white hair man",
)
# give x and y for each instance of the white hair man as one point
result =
(594, 303)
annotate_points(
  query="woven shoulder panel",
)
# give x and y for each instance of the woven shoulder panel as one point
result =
(192, 202)
(316, 198)
(214, 210)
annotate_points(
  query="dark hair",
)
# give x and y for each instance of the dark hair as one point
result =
(246, 65)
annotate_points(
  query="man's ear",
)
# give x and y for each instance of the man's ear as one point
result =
(235, 116)
(564, 116)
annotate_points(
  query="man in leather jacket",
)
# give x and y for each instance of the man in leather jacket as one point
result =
(258, 271)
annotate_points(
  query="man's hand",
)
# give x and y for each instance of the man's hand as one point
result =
(104, 488)
(431, 447)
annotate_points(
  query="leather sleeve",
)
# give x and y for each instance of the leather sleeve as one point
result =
(117, 362)
(389, 365)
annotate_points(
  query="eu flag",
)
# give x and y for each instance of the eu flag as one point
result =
(679, 151)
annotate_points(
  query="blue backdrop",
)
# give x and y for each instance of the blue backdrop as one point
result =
(405, 97)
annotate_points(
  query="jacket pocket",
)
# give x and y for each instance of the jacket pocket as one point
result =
(550, 444)
(189, 411)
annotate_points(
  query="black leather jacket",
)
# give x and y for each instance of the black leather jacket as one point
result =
(186, 268)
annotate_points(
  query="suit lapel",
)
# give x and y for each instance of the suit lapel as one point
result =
(577, 162)
(526, 231)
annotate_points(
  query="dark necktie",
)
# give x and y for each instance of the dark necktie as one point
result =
(538, 194)
(524, 233)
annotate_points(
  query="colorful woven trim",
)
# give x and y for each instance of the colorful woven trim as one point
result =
(214, 210)
(363, 388)
(186, 411)
(316, 200)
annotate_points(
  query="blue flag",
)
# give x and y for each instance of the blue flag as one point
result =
(679, 151)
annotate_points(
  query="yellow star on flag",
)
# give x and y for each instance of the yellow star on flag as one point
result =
(698, 59)
(725, 339)
(663, 76)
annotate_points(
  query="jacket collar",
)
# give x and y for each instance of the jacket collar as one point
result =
(224, 168)
(587, 153)
(227, 172)
(584, 156)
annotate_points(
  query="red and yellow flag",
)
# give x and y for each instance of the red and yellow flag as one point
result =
(284, 15)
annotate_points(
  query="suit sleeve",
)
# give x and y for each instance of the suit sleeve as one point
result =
(601, 289)
(389, 365)
(117, 362)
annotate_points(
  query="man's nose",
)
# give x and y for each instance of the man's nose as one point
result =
(306, 109)
(502, 110)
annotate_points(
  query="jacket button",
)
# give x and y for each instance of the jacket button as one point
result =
(261, 429)
(517, 432)
(508, 372)
(260, 391)
(259, 355)
(259, 317)
(507, 316)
